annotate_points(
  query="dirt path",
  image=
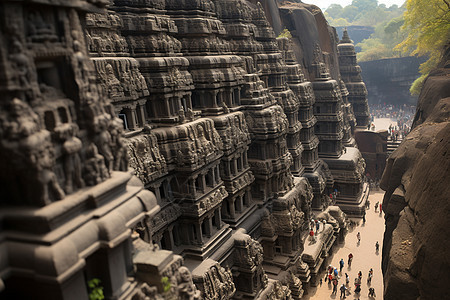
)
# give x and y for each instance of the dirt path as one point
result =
(364, 256)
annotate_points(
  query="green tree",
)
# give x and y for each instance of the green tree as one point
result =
(428, 25)
(350, 12)
(340, 22)
(334, 11)
(373, 49)
(394, 25)
(365, 5)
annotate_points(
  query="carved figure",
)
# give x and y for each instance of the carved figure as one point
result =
(41, 156)
(104, 142)
(21, 121)
(113, 84)
(119, 147)
(95, 170)
(22, 64)
(72, 163)
(186, 287)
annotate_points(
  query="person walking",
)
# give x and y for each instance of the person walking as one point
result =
(372, 292)
(359, 275)
(369, 277)
(350, 258)
(341, 265)
(364, 218)
(377, 247)
(343, 289)
(311, 235)
(376, 206)
(358, 236)
(347, 279)
(357, 285)
(335, 283)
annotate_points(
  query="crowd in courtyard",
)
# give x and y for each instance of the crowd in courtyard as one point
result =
(401, 116)
(354, 270)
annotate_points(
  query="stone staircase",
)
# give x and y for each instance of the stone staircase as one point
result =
(392, 145)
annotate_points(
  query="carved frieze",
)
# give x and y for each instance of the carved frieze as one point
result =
(216, 283)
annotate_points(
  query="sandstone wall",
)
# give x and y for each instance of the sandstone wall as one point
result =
(393, 86)
(415, 248)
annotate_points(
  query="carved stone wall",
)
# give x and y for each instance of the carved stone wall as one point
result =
(216, 118)
(69, 202)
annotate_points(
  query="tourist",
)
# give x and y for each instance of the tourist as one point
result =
(322, 281)
(360, 275)
(311, 235)
(377, 246)
(369, 277)
(335, 284)
(381, 208)
(350, 258)
(364, 218)
(343, 289)
(317, 225)
(347, 279)
(341, 265)
(358, 236)
(376, 205)
(371, 292)
(357, 286)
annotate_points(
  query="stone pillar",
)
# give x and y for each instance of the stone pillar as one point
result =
(213, 176)
(229, 168)
(208, 226)
(133, 122)
(141, 115)
(203, 183)
(239, 203)
(245, 160)
(170, 238)
(198, 231)
(218, 179)
(166, 102)
(231, 206)
(191, 186)
(218, 218)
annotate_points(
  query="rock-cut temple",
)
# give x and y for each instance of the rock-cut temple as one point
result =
(174, 149)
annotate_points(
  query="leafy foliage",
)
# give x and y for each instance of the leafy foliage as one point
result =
(428, 25)
(387, 23)
(362, 12)
(96, 290)
(382, 42)
(166, 284)
(285, 34)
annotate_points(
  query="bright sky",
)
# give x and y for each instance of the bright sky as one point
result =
(323, 4)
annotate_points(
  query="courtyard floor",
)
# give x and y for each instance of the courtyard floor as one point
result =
(364, 256)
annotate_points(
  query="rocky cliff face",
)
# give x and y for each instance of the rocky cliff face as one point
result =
(415, 249)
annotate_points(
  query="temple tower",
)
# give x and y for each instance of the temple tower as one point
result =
(351, 75)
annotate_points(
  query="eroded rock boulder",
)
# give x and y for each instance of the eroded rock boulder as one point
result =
(415, 249)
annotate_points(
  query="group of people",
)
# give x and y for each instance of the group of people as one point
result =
(332, 276)
(314, 227)
(403, 114)
(397, 131)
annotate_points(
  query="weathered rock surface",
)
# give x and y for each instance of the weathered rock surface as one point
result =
(415, 248)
